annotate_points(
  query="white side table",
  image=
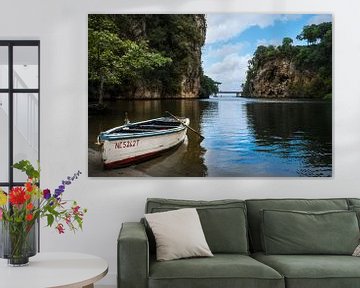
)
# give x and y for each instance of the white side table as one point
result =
(50, 270)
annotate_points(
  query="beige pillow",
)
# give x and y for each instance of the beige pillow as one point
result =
(357, 251)
(178, 234)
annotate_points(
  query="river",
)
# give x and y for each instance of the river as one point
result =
(243, 138)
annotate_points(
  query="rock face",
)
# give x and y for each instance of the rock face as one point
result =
(143, 92)
(179, 37)
(279, 78)
(190, 83)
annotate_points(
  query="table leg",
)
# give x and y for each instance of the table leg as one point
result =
(89, 286)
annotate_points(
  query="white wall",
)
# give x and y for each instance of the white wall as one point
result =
(62, 28)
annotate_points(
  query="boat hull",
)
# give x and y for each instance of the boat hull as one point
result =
(125, 152)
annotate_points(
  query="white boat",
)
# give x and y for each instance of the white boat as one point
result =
(136, 142)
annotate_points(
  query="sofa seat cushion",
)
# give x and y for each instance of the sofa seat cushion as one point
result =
(222, 270)
(313, 271)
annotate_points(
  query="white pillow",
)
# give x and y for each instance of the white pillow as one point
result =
(178, 234)
(357, 251)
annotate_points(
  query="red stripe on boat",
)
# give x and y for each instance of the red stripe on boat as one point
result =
(131, 160)
(139, 158)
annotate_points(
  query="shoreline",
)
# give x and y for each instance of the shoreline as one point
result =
(215, 97)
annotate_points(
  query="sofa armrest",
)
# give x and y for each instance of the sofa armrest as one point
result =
(133, 256)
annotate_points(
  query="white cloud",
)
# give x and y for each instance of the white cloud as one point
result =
(320, 19)
(222, 27)
(231, 71)
(224, 50)
(226, 61)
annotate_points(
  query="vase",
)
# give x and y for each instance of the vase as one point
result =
(18, 242)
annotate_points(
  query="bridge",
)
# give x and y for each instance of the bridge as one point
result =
(237, 93)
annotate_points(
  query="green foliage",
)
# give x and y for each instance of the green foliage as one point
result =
(104, 56)
(208, 86)
(316, 56)
(315, 33)
(128, 51)
(314, 59)
(114, 61)
(26, 167)
(287, 42)
(287, 49)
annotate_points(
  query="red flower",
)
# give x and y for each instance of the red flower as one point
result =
(27, 196)
(68, 219)
(60, 228)
(17, 196)
(29, 186)
(29, 206)
(75, 209)
(29, 217)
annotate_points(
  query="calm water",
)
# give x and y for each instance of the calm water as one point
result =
(243, 137)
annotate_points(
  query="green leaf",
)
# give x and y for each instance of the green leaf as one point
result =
(52, 211)
(26, 167)
(50, 219)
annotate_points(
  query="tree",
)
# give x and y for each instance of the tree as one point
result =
(314, 33)
(287, 41)
(112, 60)
(287, 49)
(208, 87)
(319, 55)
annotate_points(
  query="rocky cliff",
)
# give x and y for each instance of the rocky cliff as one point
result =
(192, 73)
(279, 78)
(288, 71)
(176, 37)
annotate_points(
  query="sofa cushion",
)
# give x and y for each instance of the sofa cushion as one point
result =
(356, 209)
(297, 232)
(313, 271)
(223, 221)
(222, 270)
(354, 205)
(178, 234)
(254, 216)
(353, 201)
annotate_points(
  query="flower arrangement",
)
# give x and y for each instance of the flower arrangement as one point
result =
(22, 206)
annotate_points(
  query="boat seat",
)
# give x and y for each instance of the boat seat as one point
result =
(133, 131)
(158, 126)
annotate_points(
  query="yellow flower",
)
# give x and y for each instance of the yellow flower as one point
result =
(3, 198)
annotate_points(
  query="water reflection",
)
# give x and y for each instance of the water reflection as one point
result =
(299, 131)
(187, 160)
(242, 138)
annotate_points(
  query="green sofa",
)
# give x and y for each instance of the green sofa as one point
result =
(234, 230)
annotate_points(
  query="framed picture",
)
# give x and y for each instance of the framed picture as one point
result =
(215, 95)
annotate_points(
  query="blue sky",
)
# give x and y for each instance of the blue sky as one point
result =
(231, 40)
